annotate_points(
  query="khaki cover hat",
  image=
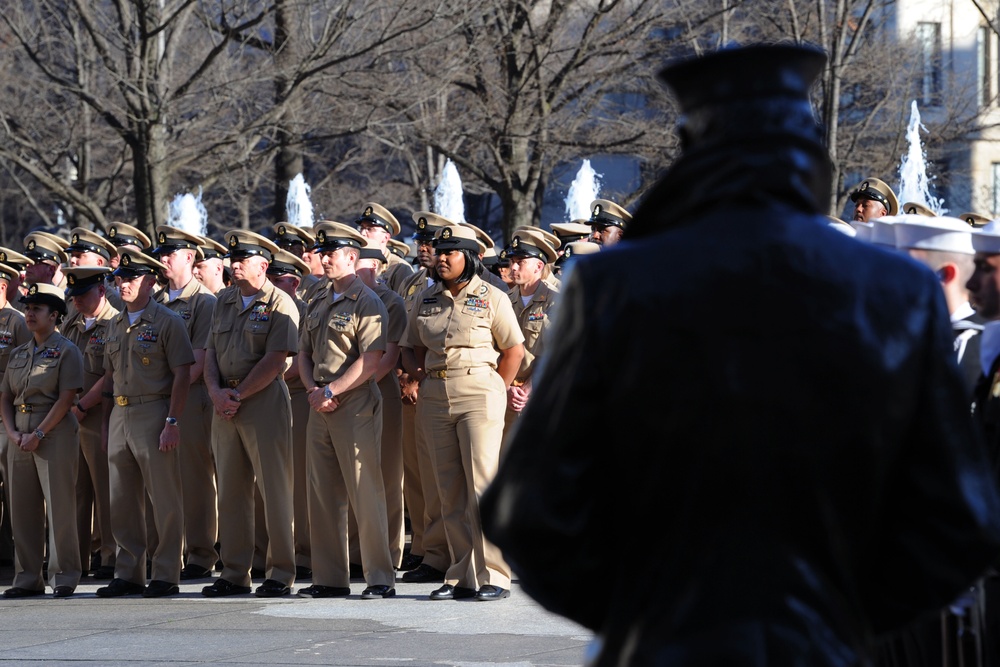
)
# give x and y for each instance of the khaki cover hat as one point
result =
(8, 272)
(286, 235)
(85, 240)
(170, 239)
(46, 294)
(121, 234)
(331, 235)
(571, 231)
(15, 259)
(376, 214)
(549, 237)
(914, 208)
(134, 264)
(285, 263)
(398, 248)
(577, 248)
(428, 224)
(878, 190)
(975, 219)
(483, 237)
(458, 238)
(605, 213)
(211, 249)
(79, 279)
(531, 243)
(243, 244)
(41, 246)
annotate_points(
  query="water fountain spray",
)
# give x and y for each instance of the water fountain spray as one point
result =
(448, 194)
(186, 212)
(298, 207)
(582, 191)
(914, 184)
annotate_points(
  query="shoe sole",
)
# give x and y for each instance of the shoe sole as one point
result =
(391, 593)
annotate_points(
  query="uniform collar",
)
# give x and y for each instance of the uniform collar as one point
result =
(188, 291)
(352, 292)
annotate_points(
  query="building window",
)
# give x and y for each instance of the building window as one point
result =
(983, 62)
(929, 45)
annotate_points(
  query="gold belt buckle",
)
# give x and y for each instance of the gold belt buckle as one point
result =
(233, 384)
(441, 375)
(121, 400)
(24, 408)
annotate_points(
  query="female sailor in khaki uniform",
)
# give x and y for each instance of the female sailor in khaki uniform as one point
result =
(450, 345)
(38, 390)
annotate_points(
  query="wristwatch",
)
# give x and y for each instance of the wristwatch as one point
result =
(327, 394)
(171, 421)
(39, 434)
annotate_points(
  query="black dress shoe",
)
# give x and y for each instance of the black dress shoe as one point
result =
(104, 572)
(223, 588)
(63, 591)
(317, 591)
(491, 592)
(118, 588)
(357, 571)
(14, 593)
(272, 589)
(257, 573)
(160, 589)
(424, 574)
(95, 560)
(449, 592)
(373, 592)
(192, 571)
(303, 572)
(410, 562)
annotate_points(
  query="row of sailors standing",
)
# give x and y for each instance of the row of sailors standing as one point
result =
(183, 376)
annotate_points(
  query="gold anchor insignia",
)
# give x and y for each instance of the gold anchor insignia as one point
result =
(71, 279)
(864, 186)
(76, 239)
(34, 290)
(321, 236)
(568, 252)
(597, 209)
(163, 237)
(233, 241)
(31, 244)
(446, 233)
(368, 211)
(517, 241)
(126, 259)
(422, 223)
(113, 232)
(282, 231)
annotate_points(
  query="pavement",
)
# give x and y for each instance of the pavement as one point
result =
(189, 629)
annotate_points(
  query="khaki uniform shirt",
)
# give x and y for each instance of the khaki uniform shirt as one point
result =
(142, 356)
(394, 306)
(463, 331)
(305, 284)
(315, 289)
(412, 287)
(534, 320)
(338, 331)
(242, 335)
(13, 332)
(495, 280)
(295, 384)
(37, 376)
(91, 342)
(195, 305)
(397, 270)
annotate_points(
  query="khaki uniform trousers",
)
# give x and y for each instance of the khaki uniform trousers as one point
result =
(201, 518)
(138, 468)
(300, 496)
(345, 471)
(462, 418)
(255, 448)
(93, 494)
(432, 543)
(43, 488)
(391, 451)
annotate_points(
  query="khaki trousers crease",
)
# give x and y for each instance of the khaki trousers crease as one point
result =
(137, 469)
(43, 494)
(255, 449)
(201, 517)
(300, 497)
(462, 419)
(93, 495)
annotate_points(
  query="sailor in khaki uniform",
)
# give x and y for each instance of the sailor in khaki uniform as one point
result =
(369, 266)
(177, 250)
(608, 222)
(87, 328)
(400, 249)
(873, 199)
(13, 332)
(340, 345)
(378, 226)
(38, 389)
(428, 557)
(87, 248)
(573, 249)
(49, 254)
(567, 232)
(451, 346)
(286, 272)
(548, 274)
(209, 267)
(298, 242)
(488, 244)
(147, 360)
(254, 332)
(533, 301)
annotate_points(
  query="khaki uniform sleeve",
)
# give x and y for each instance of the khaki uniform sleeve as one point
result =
(70, 368)
(506, 331)
(396, 324)
(372, 317)
(284, 334)
(177, 346)
(201, 313)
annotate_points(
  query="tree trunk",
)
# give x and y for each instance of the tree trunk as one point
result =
(289, 162)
